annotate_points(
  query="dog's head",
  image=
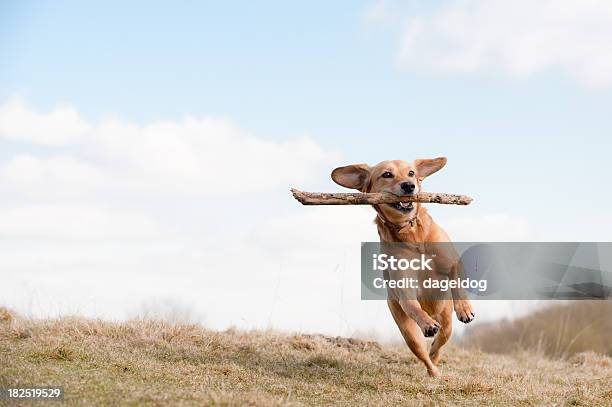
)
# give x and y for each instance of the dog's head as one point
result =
(396, 176)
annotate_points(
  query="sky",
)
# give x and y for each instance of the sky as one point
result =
(147, 148)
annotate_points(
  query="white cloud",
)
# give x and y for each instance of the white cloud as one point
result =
(74, 221)
(194, 156)
(33, 176)
(490, 228)
(520, 38)
(315, 229)
(62, 125)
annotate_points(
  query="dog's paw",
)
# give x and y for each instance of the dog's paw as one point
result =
(431, 328)
(433, 372)
(463, 309)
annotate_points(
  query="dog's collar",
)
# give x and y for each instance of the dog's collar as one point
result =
(411, 222)
(418, 246)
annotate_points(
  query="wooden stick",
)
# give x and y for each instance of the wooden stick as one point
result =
(358, 198)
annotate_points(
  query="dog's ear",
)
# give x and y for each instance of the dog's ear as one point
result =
(354, 176)
(426, 167)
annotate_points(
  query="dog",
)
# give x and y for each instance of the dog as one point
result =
(419, 316)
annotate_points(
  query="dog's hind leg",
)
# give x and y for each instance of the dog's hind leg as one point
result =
(413, 335)
(446, 321)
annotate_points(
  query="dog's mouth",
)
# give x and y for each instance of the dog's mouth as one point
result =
(404, 207)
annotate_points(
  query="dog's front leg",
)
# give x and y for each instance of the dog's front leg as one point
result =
(461, 304)
(413, 309)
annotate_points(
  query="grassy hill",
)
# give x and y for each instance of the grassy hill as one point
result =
(156, 363)
(557, 330)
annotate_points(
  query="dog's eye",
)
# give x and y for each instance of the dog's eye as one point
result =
(387, 174)
(411, 173)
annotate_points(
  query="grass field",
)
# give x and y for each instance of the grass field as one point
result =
(155, 363)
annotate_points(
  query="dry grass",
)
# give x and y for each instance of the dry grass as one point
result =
(556, 331)
(153, 363)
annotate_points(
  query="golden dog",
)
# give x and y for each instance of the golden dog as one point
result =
(416, 318)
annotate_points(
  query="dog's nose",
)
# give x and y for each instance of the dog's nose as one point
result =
(407, 187)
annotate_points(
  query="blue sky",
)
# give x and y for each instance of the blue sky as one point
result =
(526, 125)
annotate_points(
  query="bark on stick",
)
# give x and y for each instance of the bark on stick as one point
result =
(358, 198)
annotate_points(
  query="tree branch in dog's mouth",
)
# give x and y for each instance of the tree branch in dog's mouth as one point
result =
(358, 198)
